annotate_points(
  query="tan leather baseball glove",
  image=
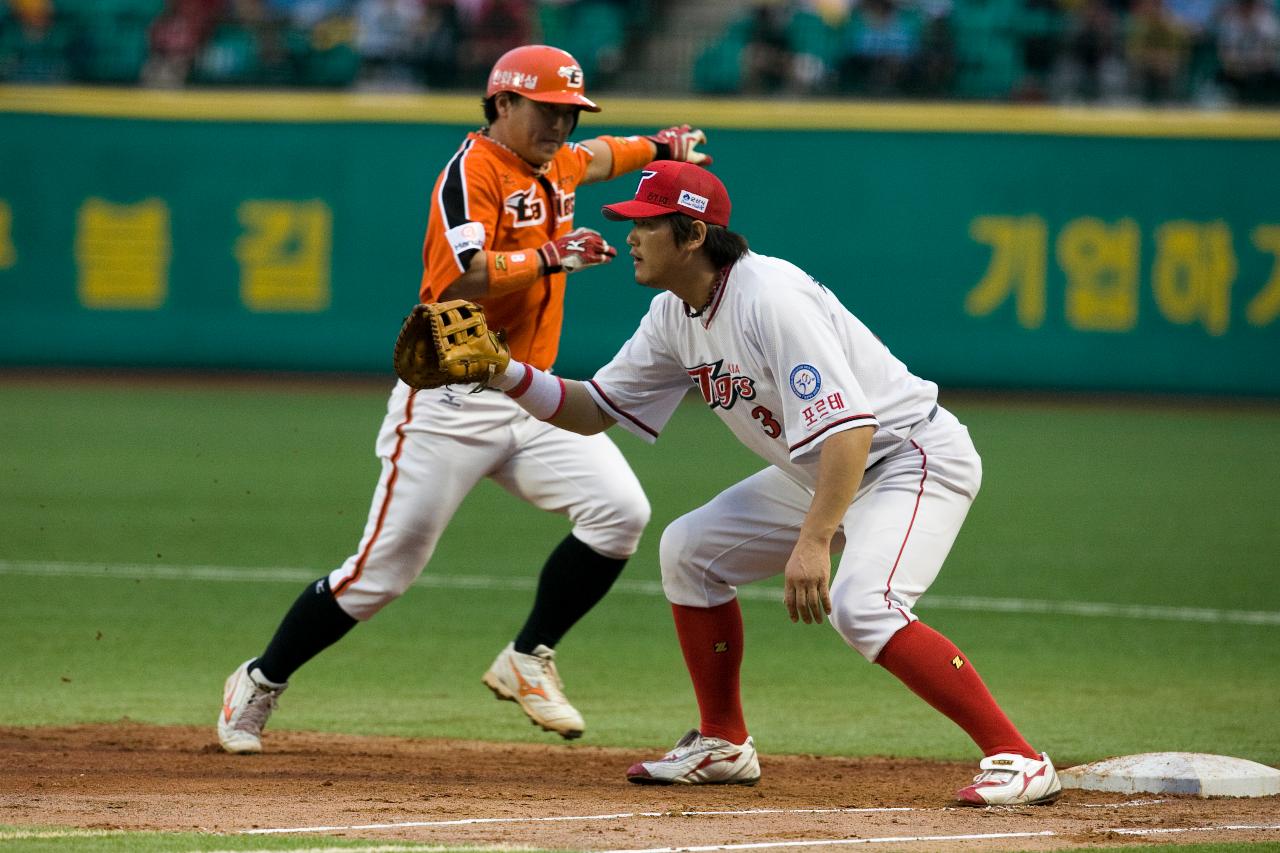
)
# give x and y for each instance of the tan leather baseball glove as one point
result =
(448, 343)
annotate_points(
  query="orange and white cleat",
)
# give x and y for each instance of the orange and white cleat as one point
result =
(1008, 779)
(699, 760)
(532, 682)
(247, 701)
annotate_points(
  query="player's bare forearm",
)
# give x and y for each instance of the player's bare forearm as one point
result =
(807, 577)
(841, 463)
(580, 412)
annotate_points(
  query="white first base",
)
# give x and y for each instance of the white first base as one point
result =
(1175, 773)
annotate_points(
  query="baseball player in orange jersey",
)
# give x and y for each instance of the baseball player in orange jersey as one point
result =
(500, 232)
(861, 460)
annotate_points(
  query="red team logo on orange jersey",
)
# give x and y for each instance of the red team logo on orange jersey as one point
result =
(526, 207)
(720, 389)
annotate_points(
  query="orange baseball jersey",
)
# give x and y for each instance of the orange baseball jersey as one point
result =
(488, 198)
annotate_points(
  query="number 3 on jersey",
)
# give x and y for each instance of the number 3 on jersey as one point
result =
(768, 422)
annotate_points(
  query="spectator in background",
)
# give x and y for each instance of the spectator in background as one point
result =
(1197, 19)
(767, 59)
(882, 43)
(1158, 51)
(36, 48)
(1249, 51)
(1040, 29)
(177, 37)
(490, 28)
(441, 33)
(389, 37)
(1093, 66)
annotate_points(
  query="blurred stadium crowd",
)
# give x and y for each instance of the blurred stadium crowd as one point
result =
(1204, 52)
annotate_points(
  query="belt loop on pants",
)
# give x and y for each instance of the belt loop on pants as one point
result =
(923, 422)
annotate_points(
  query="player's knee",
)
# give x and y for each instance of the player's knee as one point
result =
(674, 552)
(675, 546)
(632, 513)
(614, 527)
(865, 621)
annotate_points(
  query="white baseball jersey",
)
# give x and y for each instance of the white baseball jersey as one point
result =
(777, 357)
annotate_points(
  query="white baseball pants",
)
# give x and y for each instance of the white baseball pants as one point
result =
(436, 445)
(895, 536)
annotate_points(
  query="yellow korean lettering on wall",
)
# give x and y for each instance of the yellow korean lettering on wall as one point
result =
(1101, 263)
(1017, 268)
(122, 254)
(8, 254)
(284, 255)
(1191, 277)
(1265, 307)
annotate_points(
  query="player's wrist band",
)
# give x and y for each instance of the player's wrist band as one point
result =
(629, 153)
(538, 392)
(512, 271)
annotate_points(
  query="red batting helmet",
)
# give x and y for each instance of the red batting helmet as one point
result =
(540, 73)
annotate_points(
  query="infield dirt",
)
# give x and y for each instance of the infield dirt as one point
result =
(137, 777)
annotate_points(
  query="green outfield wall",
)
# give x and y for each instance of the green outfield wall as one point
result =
(989, 246)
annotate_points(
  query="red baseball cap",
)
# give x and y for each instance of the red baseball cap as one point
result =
(670, 187)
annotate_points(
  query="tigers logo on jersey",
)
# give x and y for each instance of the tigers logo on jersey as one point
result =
(721, 389)
(526, 207)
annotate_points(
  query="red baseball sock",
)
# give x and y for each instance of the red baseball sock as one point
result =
(938, 673)
(711, 639)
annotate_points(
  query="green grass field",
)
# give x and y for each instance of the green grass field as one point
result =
(152, 535)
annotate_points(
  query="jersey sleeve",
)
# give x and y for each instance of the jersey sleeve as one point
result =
(820, 394)
(465, 215)
(641, 387)
(581, 159)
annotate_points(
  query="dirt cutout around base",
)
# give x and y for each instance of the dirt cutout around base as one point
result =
(128, 776)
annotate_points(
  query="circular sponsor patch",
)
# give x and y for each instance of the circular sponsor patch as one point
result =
(805, 381)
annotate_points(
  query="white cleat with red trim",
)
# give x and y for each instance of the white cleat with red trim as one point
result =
(1009, 779)
(699, 760)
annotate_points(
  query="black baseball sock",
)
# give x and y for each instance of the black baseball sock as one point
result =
(314, 623)
(572, 581)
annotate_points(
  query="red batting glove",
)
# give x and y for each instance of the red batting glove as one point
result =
(581, 247)
(677, 143)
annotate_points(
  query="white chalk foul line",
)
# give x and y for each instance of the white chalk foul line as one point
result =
(1240, 827)
(471, 821)
(833, 842)
(980, 604)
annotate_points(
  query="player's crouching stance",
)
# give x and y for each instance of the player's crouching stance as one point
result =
(862, 462)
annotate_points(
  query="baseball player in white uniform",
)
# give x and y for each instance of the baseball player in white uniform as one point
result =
(862, 462)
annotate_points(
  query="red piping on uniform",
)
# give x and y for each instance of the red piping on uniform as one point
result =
(612, 405)
(864, 416)
(386, 500)
(924, 473)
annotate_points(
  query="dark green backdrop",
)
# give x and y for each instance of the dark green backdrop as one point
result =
(1104, 262)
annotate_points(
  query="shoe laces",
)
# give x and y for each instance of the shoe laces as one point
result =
(995, 775)
(547, 663)
(691, 742)
(260, 705)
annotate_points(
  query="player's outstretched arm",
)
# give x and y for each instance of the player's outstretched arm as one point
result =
(616, 155)
(561, 402)
(491, 273)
